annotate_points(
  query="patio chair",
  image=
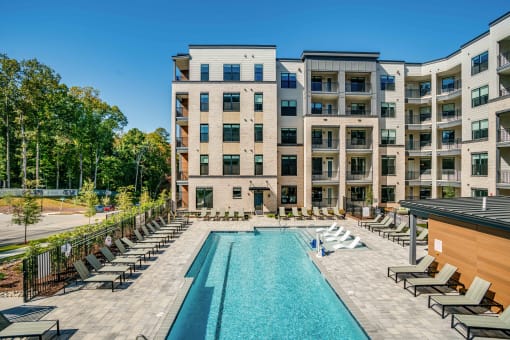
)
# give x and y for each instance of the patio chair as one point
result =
(382, 222)
(24, 329)
(281, 213)
(352, 245)
(138, 253)
(421, 238)
(296, 214)
(474, 297)
(173, 223)
(443, 278)
(336, 236)
(396, 236)
(86, 277)
(389, 230)
(101, 268)
(377, 219)
(421, 267)
(221, 214)
(108, 255)
(149, 230)
(203, 214)
(338, 214)
(212, 214)
(376, 226)
(165, 227)
(304, 213)
(483, 322)
(243, 215)
(326, 213)
(316, 212)
(326, 230)
(231, 214)
(157, 240)
(144, 245)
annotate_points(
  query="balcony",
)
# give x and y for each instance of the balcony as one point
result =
(359, 176)
(417, 96)
(324, 87)
(327, 202)
(448, 177)
(181, 116)
(504, 62)
(421, 148)
(420, 121)
(325, 176)
(181, 144)
(358, 144)
(450, 118)
(359, 112)
(503, 138)
(452, 91)
(324, 144)
(417, 178)
(503, 91)
(325, 111)
(182, 178)
(358, 89)
(503, 179)
(449, 147)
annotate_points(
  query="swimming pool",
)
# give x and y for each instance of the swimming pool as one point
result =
(260, 285)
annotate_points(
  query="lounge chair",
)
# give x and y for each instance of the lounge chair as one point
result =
(421, 267)
(203, 213)
(377, 219)
(231, 214)
(421, 238)
(396, 236)
(338, 214)
(337, 237)
(212, 214)
(316, 212)
(131, 261)
(376, 226)
(165, 227)
(24, 329)
(138, 253)
(389, 230)
(243, 215)
(101, 268)
(221, 215)
(443, 278)
(86, 277)
(158, 240)
(483, 322)
(474, 297)
(173, 223)
(326, 213)
(304, 213)
(168, 232)
(326, 230)
(383, 221)
(352, 245)
(295, 213)
(281, 213)
(132, 245)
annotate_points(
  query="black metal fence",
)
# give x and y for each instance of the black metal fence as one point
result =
(48, 272)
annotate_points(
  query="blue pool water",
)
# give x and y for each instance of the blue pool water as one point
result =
(260, 285)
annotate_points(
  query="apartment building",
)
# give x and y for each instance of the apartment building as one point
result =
(339, 129)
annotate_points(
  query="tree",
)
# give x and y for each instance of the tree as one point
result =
(125, 198)
(26, 211)
(89, 197)
(448, 192)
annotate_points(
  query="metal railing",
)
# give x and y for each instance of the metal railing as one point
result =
(182, 176)
(449, 175)
(324, 143)
(503, 91)
(504, 59)
(457, 85)
(358, 112)
(325, 202)
(181, 142)
(504, 176)
(420, 118)
(324, 86)
(359, 175)
(504, 135)
(355, 207)
(357, 87)
(418, 145)
(424, 175)
(325, 111)
(357, 143)
(179, 112)
(417, 93)
(325, 175)
(450, 144)
(448, 116)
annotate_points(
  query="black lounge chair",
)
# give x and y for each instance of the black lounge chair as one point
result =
(86, 277)
(443, 278)
(101, 268)
(24, 329)
(421, 267)
(483, 322)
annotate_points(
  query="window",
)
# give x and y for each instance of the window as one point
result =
(357, 193)
(358, 109)
(358, 137)
(236, 193)
(288, 80)
(387, 193)
(448, 110)
(425, 193)
(479, 164)
(259, 102)
(388, 137)
(358, 166)
(479, 192)
(204, 198)
(204, 133)
(259, 72)
(316, 194)
(259, 165)
(448, 84)
(388, 110)
(425, 88)
(316, 137)
(259, 132)
(289, 107)
(289, 194)
(448, 164)
(231, 72)
(316, 108)
(448, 137)
(289, 165)
(204, 102)
(425, 166)
(204, 72)
(231, 165)
(387, 83)
(480, 63)
(480, 96)
(388, 165)
(425, 139)
(231, 132)
(480, 129)
(289, 136)
(231, 102)
(425, 114)
(357, 84)
(204, 165)
(317, 166)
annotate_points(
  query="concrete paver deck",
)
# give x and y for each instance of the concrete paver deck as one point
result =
(383, 307)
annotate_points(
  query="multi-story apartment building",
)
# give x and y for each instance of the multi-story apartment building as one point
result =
(339, 128)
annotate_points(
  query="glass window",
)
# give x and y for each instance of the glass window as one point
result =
(448, 110)
(259, 132)
(388, 110)
(448, 164)
(259, 72)
(448, 137)
(387, 83)
(425, 139)
(259, 165)
(480, 96)
(425, 88)
(387, 193)
(204, 198)
(316, 83)
(479, 192)
(316, 194)
(259, 102)
(204, 165)
(204, 102)
(358, 109)
(289, 165)
(288, 80)
(480, 129)
(425, 114)
(289, 194)
(388, 137)
(358, 137)
(204, 133)
(231, 132)
(289, 136)
(480, 63)
(479, 163)
(358, 193)
(231, 72)
(316, 137)
(236, 192)
(231, 102)
(231, 165)
(448, 84)
(316, 108)
(316, 166)
(204, 72)
(388, 165)
(289, 107)
(425, 193)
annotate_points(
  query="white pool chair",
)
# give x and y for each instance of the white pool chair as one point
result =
(341, 239)
(327, 230)
(352, 245)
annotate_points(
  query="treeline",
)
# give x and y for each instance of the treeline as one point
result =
(56, 137)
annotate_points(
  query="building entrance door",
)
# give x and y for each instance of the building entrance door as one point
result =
(258, 201)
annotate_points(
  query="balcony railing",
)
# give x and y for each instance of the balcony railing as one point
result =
(412, 197)
(451, 144)
(503, 135)
(358, 112)
(421, 118)
(358, 143)
(179, 111)
(424, 175)
(455, 86)
(504, 58)
(325, 111)
(418, 145)
(357, 87)
(504, 176)
(324, 143)
(324, 86)
(503, 91)
(325, 176)
(326, 202)
(181, 142)
(417, 93)
(182, 176)
(359, 175)
(452, 175)
(448, 116)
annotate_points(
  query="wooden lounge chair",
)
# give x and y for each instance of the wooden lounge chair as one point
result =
(326, 213)
(131, 261)
(101, 268)
(354, 243)
(24, 329)
(281, 213)
(316, 212)
(304, 213)
(421, 238)
(338, 214)
(86, 277)
(483, 322)
(474, 297)
(443, 278)
(390, 230)
(421, 267)
(138, 253)
(295, 213)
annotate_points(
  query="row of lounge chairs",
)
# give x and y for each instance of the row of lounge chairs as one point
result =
(222, 214)
(475, 296)
(385, 227)
(342, 237)
(316, 212)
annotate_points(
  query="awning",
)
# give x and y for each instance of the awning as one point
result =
(259, 188)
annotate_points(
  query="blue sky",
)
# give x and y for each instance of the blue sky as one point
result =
(124, 48)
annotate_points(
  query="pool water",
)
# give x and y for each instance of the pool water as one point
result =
(260, 285)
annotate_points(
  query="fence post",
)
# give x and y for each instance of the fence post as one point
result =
(25, 280)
